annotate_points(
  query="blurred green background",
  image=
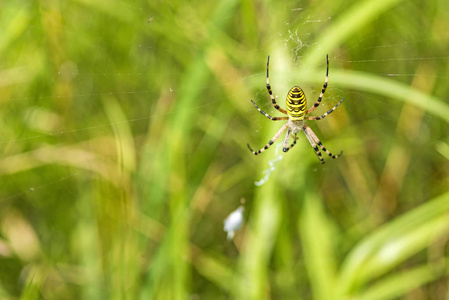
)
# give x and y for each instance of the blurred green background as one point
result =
(123, 136)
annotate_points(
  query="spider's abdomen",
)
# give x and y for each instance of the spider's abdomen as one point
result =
(296, 104)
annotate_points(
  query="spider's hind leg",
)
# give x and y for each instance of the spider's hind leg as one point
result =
(267, 115)
(323, 90)
(273, 100)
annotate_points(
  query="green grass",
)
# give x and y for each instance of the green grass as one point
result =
(123, 131)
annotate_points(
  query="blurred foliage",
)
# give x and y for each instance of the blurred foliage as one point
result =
(123, 136)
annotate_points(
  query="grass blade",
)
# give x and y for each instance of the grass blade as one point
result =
(319, 252)
(395, 242)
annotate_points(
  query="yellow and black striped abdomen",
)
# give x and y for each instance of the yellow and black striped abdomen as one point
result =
(296, 104)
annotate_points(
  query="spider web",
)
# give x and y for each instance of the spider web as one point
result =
(393, 58)
(115, 91)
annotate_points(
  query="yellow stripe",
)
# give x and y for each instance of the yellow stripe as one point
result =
(296, 104)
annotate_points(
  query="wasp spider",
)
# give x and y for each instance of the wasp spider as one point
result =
(296, 114)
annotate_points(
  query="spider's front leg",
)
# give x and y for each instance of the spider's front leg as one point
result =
(315, 142)
(287, 139)
(271, 142)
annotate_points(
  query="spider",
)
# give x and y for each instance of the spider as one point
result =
(296, 104)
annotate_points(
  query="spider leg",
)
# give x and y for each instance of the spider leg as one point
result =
(312, 142)
(287, 138)
(326, 114)
(267, 115)
(310, 132)
(323, 90)
(271, 93)
(276, 136)
(286, 142)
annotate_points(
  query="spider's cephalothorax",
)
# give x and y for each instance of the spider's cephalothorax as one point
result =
(296, 114)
